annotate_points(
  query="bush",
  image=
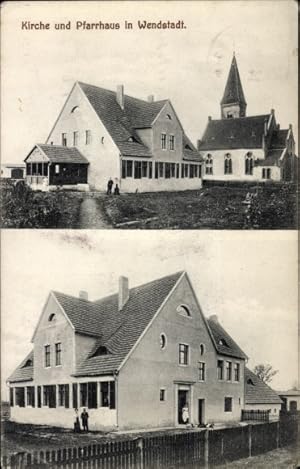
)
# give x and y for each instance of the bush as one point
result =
(21, 207)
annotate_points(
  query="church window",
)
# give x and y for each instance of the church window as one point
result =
(249, 163)
(228, 164)
(229, 115)
(266, 173)
(209, 164)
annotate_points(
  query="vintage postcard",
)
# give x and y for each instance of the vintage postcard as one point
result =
(178, 115)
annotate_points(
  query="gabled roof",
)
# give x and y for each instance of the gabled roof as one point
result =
(221, 337)
(60, 154)
(241, 132)
(189, 151)
(279, 138)
(23, 372)
(258, 392)
(122, 124)
(233, 90)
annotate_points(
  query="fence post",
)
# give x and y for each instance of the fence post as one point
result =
(140, 445)
(277, 434)
(206, 448)
(250, 439)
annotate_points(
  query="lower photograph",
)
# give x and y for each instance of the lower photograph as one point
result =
(171, 350)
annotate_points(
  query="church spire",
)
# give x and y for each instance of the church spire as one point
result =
(233, 103)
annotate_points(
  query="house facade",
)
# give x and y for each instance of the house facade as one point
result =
(144, 357)
(290, 400)
(13, 171)
(140, 144)
(238, 147)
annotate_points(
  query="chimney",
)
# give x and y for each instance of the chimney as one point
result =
(199, 141)
(123, 292)
(150, 98)
(120, 96)
(214, 318)
(83, 295)
(209, 118)
(290, 127)
(272, 112)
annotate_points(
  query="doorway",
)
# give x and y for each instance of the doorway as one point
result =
(183, 400)
(201, 410)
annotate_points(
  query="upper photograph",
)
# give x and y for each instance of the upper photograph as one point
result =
(178, 115)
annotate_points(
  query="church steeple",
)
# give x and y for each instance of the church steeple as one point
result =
(233, 103)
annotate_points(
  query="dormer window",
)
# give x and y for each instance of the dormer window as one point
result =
(51, 317)
(102, 350)
(183, 310)
(223, 342)
(28, 362)
(249, 381)
(130, 139)
(187, 147)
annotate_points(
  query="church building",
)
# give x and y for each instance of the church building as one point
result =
(238, 147)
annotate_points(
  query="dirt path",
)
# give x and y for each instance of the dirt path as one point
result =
(91, 216)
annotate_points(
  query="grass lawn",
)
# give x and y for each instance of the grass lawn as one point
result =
(211, 208)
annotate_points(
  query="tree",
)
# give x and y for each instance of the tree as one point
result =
(265, 372)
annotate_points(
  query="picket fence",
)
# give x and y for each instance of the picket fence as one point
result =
(192, 449)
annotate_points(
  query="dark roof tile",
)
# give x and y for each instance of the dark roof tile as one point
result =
(62, 154)
(233, 90)
(258, 392)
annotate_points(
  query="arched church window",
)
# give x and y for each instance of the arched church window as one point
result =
(227, 164)
(209, 164)
(249, 163)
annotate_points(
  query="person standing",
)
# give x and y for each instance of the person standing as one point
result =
(109, 186)
(84, 419)
(76, 422)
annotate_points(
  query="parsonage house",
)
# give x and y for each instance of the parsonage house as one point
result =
(101, 134)
(145, 357)
(246, 148)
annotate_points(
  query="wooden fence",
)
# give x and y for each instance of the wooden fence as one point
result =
(256, 415)
(205, 448)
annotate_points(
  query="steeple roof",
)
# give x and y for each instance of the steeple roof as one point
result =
(233, 90)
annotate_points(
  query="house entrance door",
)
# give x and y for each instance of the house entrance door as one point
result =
(201, 417)
(183, 409)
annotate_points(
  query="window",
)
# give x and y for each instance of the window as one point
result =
(163, 341)
(186, 170)
(172, 142)
(64, 140)
(227, 164)
(51, 317)
(191, 170)
(57, 169)
(39, 396)
(183, 310)
(74, 109)
(266, 173)
(63, 395)
(150, 170)
(201, 371)
(172, 170)
(168, 117)
(88, 137)
(156, 170)
(163, 140)
(220, 369)
(11, 397)
(28, 169)
(183, 354)
(30, 395)
(236, 372)
(228, 404)
(58, 354)
(75, 138)
(75, 396)
(177, 170)
(249, 381)
(126, 169)
(223, 342)
(249, 164)
(83, 394)
(202, 349)
(209, 164)
(162, 395)
(92, 395)
(229, 115)
(161, 169)
(137, 170)
(144, 169)
(28, 362)
(50, 396)
(20, 397)
(228, 371)
(47, 355)
(168, 170)
(107, 391)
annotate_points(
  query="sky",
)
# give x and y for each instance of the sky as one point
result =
(248, 279)
(189, 66)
